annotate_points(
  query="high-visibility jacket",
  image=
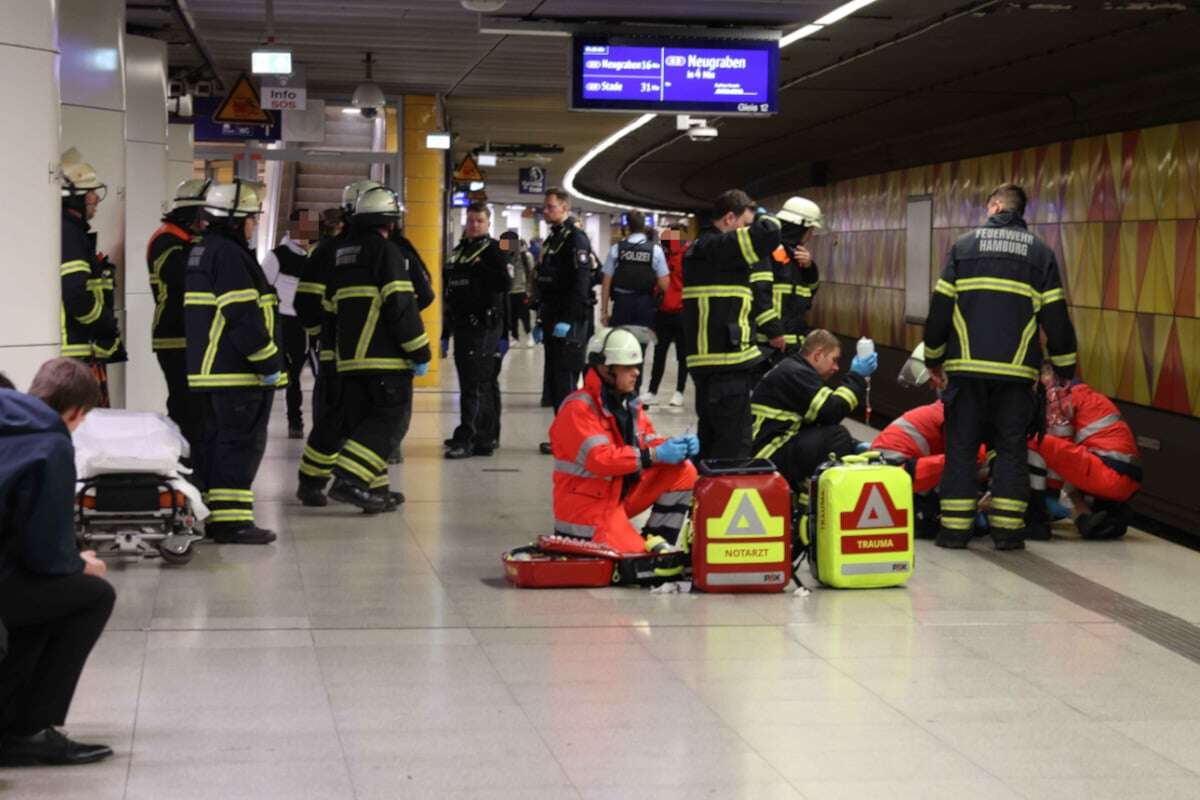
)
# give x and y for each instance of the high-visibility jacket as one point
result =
(999, 283)
(87, 319)
(592, 459)
(229, 314)
(918, 437)
(792, 291)
(1098, 427)
(727, 295)
(791, 396)
(476, 282)
(166, 258)
(672, 302)
(312, 309)
(564, 276)
(377, 325)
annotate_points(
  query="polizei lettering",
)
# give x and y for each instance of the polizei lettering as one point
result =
(1003, 240)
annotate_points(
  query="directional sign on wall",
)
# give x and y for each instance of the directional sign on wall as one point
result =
(532, 180)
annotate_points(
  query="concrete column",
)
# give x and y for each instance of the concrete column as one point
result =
(180, 146)
(145, 200)
(29, 152)
(91, 35)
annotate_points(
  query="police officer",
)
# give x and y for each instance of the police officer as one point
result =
(234, 358)
(166, 258)
(380, 344)
(999, 283)
(719, 325)
(284, 267)
(476, 282)
(564, 281)
(634, 269)
(794, 277)
(89, 324)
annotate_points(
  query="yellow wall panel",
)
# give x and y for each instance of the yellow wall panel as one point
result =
(424, 197)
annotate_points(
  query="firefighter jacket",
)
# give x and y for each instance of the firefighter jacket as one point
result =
(377, 326)
(672, 301)
(999, 283)
(229, 313)
(166, 258)
(311, 307)
(918, 439)
(1097, 426)
(727, 294)
(792, 396)
(421, 279)
(476, 282)
(593, 458)
(87, 319)
(792, 290)
(564, 277)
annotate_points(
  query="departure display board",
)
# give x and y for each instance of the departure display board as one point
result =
(723, 76)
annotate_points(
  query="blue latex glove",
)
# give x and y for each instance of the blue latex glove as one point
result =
(273, 379)
(1055, 509)
(672, 451)
(561, 330)
(537, 334)
(445, 347)
(693, 444)
(503, 345)
(421, 369)
(865, 366)
(862, 447)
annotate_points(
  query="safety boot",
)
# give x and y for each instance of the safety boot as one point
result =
(953, 540)
(311, 496)
(1009, 542)
(343, 491)
(248, 534)
(1037, 518)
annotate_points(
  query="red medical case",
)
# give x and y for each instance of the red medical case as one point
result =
(533, 568)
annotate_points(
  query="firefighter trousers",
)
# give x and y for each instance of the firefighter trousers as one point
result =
(184, 407)
(325, 438)
(999, 412)
(474, 361)
(723, 406)
(374, 407)
(666, 489)
(812, 445)
(235, 438)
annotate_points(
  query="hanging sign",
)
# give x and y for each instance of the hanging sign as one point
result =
(285, 92)
(242, 105)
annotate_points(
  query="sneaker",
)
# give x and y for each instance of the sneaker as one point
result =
(311, 496)
(251, 534)
(345, 492)
(676, 399)
(647, 399)
(459, 451)
(49, 748)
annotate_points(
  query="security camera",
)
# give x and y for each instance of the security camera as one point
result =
(702, 133)
(370, 112)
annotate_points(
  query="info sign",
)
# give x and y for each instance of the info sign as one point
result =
(285, 92)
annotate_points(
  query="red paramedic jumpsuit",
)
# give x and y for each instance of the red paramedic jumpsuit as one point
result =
(1096, 453)
(918, 437)
(591, 461)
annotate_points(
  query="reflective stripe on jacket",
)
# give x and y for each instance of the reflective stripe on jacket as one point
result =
(792, 292)
(166, 258)
(87, 319)
(792, 396)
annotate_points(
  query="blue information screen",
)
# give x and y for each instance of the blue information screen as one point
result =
(733, 76)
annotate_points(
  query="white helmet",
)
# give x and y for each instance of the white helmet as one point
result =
(238, 199)
(190, 193)
(78, 176)
(914, 373)
(802, 211)
(353, 191)
(377, 201)
(614, 347)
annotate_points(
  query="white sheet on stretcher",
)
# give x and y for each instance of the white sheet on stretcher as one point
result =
(112, 440)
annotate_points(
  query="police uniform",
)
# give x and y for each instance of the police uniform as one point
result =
(999, 283)
(564, 281)
(633, 282)
(797, 418)
(720, 323)
(87, 320)
(233, 346)
(379, 338)
(166, 258)
(476, 282)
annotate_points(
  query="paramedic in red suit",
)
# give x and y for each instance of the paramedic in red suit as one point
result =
(609, 464)
(917, 441)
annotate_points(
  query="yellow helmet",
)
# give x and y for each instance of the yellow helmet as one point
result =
(238, 199)
(354, 190)
(190, 193)
(79, 177)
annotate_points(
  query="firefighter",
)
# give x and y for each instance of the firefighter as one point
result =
(634, 273)
(794, 277)
(564, 283)
(476, 282)
(380, 344)
(325, 438)
(284, 267)
(1091, 448)
(166, 258)
(610, 465)
(89, 330)
(721, 318)
(234, 358)
(999, 283)
(797, 418)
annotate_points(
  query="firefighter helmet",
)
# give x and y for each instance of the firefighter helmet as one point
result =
(353, 191)
(914, 373)
(802, 211)
(614, 347)
(238, 199)
(377, 201)
(190, 193)
(79, 177)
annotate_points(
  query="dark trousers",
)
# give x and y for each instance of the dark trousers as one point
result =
(723, 405)
(564, 361)
(999, 412)
(295, 355)
(800, 456)
(325, 438)
(235, 438)
(474, 361)
(668, 330)
(633, 309)
(184, 407)
(518, 314)
(492, 387)
(53, 623)
(375, 405)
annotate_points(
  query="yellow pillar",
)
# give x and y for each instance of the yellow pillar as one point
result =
(424, 203)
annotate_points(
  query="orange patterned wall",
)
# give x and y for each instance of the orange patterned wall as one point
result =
(1121, 212)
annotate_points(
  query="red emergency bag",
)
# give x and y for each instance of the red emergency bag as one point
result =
(741, 523)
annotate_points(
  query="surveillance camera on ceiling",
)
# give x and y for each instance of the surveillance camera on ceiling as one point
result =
(369, 112)
(368, 95)
(483, 6)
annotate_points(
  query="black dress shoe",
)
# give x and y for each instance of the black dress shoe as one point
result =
(311, 496)
(546, 449)
(345, 492)
(448, 442)
(459, 451)
(48, 748)
(484, 449)
(250, 534)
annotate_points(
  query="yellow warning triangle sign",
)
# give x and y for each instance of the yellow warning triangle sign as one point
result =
(242, 105)
(468, 170)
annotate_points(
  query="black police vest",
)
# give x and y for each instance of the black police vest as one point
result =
(290, 262)
(466, 292)
(634, 270)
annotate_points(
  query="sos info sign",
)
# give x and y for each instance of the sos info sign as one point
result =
(285, 92)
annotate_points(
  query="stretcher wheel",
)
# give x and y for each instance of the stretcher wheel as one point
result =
(173, 558)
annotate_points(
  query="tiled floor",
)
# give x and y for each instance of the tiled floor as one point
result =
(384, 657)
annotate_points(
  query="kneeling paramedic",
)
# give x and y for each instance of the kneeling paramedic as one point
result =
(797, 418)
(381, 343)
(233, 358)
(610, 465)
